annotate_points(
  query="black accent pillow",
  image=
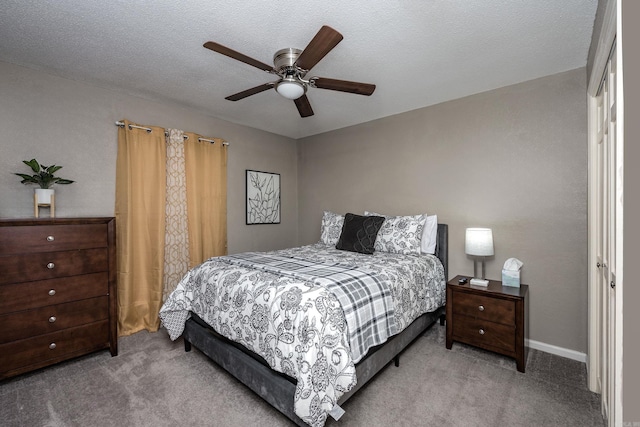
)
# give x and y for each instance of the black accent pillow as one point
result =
(359, 233)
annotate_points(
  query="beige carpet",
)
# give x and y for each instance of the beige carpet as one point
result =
(153, 382)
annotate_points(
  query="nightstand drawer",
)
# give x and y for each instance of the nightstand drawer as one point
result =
(485, 334)
(485, 307)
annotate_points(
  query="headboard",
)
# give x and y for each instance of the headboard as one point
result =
(442, 248)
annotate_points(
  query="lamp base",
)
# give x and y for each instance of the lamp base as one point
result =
(479, 282)
(475, 269)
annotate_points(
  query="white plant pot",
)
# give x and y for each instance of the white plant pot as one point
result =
(43, 195)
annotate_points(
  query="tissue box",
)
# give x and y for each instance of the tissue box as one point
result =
(511, 278)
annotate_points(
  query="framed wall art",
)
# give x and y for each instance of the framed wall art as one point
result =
(263, 197)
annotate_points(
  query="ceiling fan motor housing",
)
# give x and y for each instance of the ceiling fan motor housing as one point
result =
(284, 59)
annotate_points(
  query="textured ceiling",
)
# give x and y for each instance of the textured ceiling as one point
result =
(417, 52)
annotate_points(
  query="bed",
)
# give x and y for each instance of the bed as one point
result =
(297, 356)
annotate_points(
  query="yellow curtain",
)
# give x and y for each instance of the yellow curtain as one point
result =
(206, 170)
(140, 227)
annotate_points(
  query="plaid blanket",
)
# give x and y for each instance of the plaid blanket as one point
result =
(367, 302)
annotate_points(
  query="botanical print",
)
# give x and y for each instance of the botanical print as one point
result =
(263, 197)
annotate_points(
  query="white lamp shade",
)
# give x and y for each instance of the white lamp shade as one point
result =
(290, 89)
(478, 242)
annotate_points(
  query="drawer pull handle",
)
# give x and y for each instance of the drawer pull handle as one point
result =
(52, 292)
(481, 331)
(52, 345)
(50, 238)
(481, 307)
(52, 319)
(50, 265)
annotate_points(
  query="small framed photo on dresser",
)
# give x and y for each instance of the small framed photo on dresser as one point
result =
(263, 197)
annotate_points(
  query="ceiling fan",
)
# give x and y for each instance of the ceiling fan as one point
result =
(291, 66)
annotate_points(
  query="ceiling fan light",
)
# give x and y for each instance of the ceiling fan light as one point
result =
(290, 89)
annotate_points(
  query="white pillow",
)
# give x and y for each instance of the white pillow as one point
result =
(331, 228)
(430, 235)
(400, 234)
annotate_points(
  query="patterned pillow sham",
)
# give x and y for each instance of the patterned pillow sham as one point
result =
(331, 228)
(400, 234)
(359, 233)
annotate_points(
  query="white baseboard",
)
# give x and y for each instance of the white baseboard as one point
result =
(558, 351)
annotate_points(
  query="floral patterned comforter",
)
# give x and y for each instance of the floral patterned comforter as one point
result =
(298, 326)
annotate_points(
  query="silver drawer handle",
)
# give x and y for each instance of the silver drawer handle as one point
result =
(481, 307)
(50, 238)
(481, 331)
(52, 319)
(52, 292)
(52, 345)
(50, 265)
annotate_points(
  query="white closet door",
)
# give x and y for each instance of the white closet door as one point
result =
(607, 231)
(606, 162)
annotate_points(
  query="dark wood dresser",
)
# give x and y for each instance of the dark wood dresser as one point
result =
(57, 291)
(494, 318)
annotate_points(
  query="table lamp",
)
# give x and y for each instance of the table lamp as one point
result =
(478, 243)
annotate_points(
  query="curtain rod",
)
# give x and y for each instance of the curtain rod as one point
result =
(121, 124)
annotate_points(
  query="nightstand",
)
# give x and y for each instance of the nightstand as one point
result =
(494, 318)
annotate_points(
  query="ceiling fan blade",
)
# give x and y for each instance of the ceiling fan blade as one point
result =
(240, 95)
(304, 107)
(325, 40)
(344, 86)
(216, 47)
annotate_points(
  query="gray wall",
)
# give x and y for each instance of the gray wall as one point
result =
(71, 123)
(513, 159)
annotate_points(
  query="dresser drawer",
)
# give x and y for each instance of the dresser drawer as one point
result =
(28, 295)
(57, 345)
(49, 238)
(38, 321)
(485, 334)
(49, 265)
(484, 307)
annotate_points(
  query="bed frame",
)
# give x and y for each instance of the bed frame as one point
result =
(278, 389)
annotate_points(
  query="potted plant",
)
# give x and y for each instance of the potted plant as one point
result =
(43, 177)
